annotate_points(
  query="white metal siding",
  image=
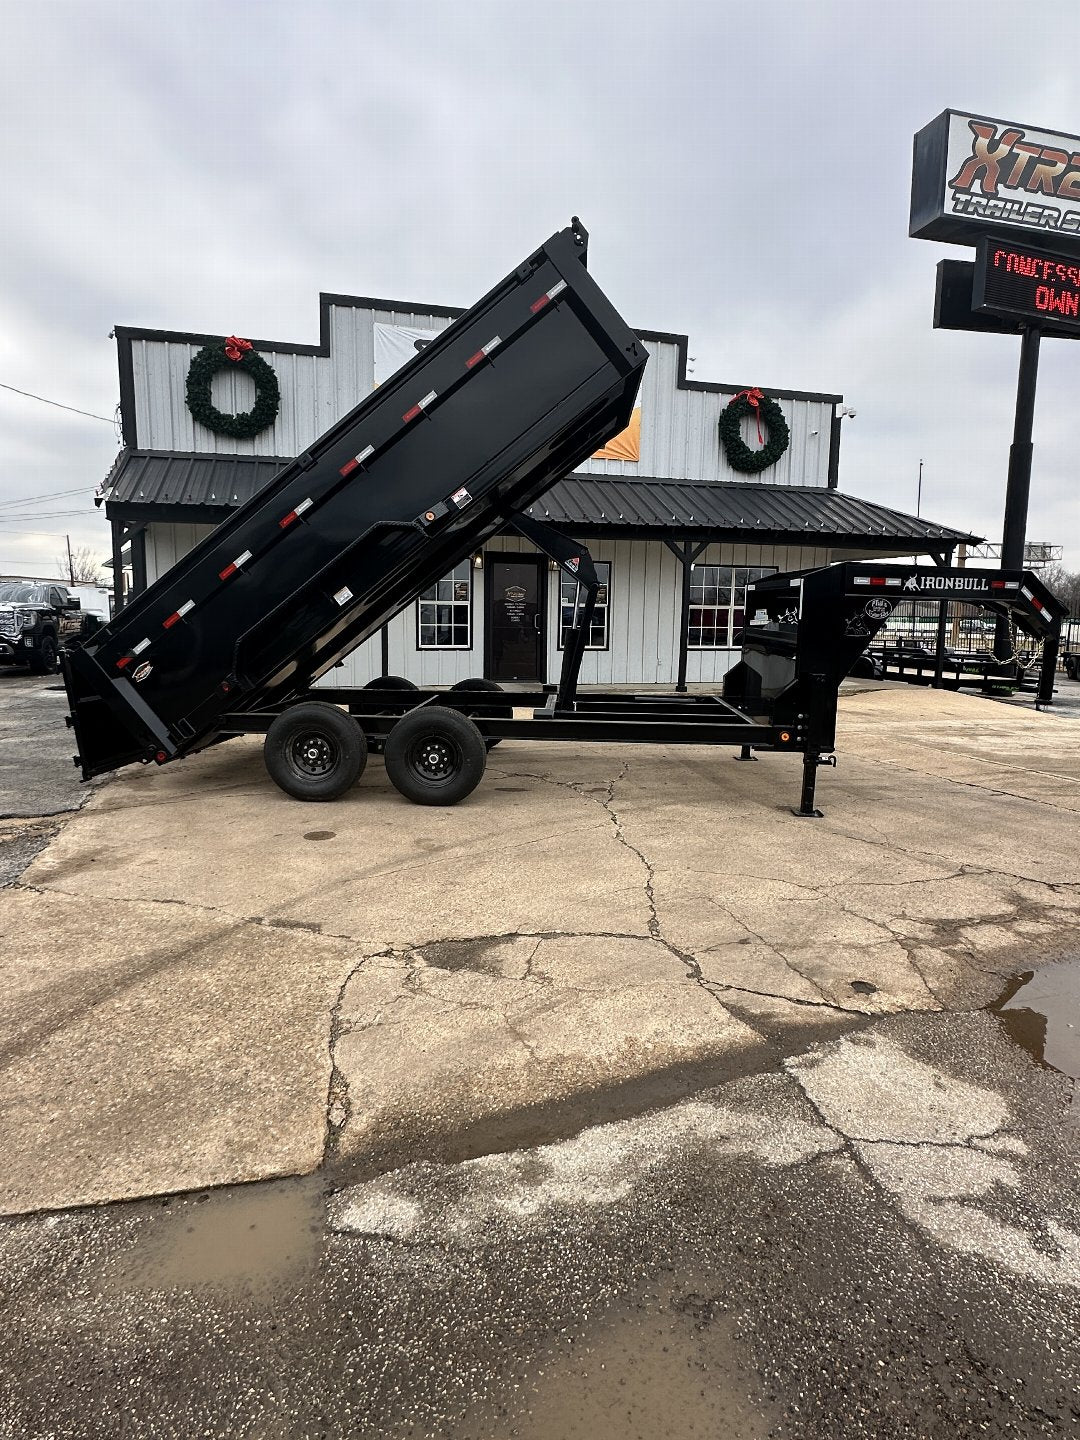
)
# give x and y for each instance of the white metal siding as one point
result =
(679, 436)
(644, 610)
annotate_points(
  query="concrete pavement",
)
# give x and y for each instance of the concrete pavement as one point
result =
(631, 1103)
(593, 927)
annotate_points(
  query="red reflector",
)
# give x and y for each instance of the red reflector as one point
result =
(161, 757)
(126, 660)
(997, 584)
(173, 619)
(288, 519)
(1037, 603)
(877, 580)
(539, 304)
(229, 570)
(474, 360)
(411, 414)
(349, 467)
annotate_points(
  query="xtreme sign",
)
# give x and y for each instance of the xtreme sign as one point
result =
(972, 174)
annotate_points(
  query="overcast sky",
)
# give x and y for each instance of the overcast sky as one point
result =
(744, 172)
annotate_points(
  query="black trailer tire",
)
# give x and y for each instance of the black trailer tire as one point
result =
(391, 682)
(435, 756)
(314, 751)
(479, 682)
(43, 661)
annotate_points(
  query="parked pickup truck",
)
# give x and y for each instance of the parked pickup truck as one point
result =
(35, 620)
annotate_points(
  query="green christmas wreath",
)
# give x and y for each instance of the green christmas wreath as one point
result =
(739, 455)
(225, 355)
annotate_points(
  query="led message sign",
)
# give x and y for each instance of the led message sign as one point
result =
(1030, 284)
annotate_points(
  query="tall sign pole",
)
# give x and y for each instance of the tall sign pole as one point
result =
(1012, 192)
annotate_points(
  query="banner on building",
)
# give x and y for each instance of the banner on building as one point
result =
(395, 345)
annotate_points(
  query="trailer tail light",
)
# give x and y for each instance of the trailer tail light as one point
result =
(544, 299)
(357, 460)
(483, 352)
(178, 615)
(419, 407)
(287, 520)
(234, 565)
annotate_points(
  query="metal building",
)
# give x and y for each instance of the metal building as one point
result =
(675, 529)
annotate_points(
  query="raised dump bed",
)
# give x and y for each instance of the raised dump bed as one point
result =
(512, 396)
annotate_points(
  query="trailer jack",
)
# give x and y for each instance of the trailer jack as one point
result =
(811, 761)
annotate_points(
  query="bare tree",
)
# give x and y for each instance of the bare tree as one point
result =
(1065, 584)
(85, 568)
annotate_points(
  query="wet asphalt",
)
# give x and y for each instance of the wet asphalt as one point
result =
(748, 1267)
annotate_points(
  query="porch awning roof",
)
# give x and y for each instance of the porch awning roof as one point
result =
(203, 488)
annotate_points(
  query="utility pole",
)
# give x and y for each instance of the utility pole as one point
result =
(71, 563)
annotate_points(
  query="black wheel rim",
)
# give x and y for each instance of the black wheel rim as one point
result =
(434, 759)
(312, 754)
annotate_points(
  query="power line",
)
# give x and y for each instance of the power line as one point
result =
(32, 515)
(30, 396)
(49, 495)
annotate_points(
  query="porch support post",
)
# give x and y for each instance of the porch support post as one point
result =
(686, 552)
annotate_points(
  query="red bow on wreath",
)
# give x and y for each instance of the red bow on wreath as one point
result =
(235, 348)
(752, 397)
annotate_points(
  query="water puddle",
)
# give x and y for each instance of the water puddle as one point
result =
(1040, 1010)
(247, 1239)
(658, 1370)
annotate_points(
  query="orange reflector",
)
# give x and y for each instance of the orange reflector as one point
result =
(784, 735)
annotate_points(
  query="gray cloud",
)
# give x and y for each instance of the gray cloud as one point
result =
(744, 174)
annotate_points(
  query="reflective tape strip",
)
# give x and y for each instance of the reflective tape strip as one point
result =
(179, 614)
(1026, 593)
(357, 460)
(482, 352)
(1012, 584)
(556, 289)
(140, 647)
(124, 660)
(234, 565)
(544, 299)
(420, 405)
(862, 580)
(897, 582)
(294, 514)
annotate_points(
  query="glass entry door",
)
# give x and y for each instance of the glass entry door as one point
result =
(516, 643)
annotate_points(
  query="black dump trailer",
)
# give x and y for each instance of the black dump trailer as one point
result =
(448, 452)
(512, 396)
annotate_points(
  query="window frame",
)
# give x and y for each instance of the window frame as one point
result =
(728, 571)
(421, 601)
(560, 644)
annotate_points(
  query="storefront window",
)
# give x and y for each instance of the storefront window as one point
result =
(444, 612)
(572, 595)
(717, 598)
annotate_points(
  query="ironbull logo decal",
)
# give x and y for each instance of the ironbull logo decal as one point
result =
(970, 583)
(1004, 159)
